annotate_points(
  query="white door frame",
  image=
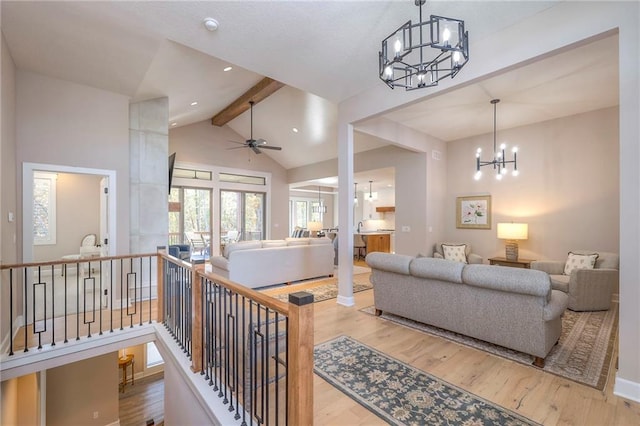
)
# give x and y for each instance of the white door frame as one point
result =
(27, 202)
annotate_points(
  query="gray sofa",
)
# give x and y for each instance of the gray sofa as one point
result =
(510, 307)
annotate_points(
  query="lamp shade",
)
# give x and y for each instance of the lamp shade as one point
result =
(513, 231)
(314, 226)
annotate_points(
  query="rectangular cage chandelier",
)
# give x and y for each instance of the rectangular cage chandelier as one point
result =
(420, 55)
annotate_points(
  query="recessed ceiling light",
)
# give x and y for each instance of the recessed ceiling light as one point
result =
(194, 103)
(295, 130)
(210, 24)
(227, 69)
(174, 124)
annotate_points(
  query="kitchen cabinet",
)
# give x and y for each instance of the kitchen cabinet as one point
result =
(386, 209)
(378, 242)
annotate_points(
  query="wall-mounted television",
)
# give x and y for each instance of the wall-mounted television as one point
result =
(172, 162)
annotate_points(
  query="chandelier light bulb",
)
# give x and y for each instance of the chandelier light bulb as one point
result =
(397, 46)
(504, 171)
(515, 173)
(499, 176)
(446, 36)
(514, 149)
(456, 58)
(499, 154)
(479, 151)
(388, 72)
(503, 146)
(478, 175)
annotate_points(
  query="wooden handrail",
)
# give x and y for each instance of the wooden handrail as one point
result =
(80, 260)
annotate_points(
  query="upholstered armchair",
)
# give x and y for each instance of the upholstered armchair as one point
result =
(589, 287)
(438, 252)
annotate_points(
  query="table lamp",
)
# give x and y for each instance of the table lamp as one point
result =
(314, 227)
(512, 232)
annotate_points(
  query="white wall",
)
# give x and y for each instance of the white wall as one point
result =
(560, 26)
(77, 214)
(8, 191)
(73, 395)
(568, 184)
(68, 124)
(203, 143)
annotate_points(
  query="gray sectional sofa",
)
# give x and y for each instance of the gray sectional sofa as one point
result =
(510, 307)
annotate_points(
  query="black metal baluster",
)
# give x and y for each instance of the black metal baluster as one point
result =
(11, 310)
(150, 269)
(219, 328)
(77, 300)
(101, 296)
(141, 277)
(111, 276)
(244, 361)
(236, 359)
(121, 294)
(33, 312)
(26, 311)
(277, 373)
(53, 306)
(66, 283)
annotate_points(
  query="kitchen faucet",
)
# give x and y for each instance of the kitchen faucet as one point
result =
(359, 225)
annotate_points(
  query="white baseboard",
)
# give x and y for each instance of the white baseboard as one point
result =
(626, 389)
(346, 301)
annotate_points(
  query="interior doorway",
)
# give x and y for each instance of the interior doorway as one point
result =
(46, 212)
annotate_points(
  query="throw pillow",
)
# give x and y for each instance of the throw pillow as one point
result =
(455, 253)
(579, 261)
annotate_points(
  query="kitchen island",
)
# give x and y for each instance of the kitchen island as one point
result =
(377, 241)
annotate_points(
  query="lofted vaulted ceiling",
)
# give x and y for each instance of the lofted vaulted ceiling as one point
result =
(325, 51)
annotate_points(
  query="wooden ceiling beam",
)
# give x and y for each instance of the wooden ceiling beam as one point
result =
(257, 93)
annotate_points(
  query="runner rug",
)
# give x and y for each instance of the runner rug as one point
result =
(401, 394)
(583, 353)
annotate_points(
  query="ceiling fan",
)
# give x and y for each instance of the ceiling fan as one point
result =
(255, 144)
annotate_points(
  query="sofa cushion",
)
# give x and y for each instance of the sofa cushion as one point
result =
(273, 243)
(241, 245)
(398, 263)
(439, 269)
(438, 247)
(515, 280)
(321, 240)
(579, 261)
(457, 252)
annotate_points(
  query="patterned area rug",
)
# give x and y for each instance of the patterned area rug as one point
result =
(328, 290)
(401, 394)
(583, 353)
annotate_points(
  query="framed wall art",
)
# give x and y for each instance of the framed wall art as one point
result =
(473, 212)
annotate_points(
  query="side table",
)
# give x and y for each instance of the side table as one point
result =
(123, 363)
(519, 263)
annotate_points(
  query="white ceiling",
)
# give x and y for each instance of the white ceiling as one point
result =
(325, 51)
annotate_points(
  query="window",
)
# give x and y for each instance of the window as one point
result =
(153, 356)
(44, 208)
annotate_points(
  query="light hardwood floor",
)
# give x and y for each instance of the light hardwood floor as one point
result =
(540, 396)
(143, 401)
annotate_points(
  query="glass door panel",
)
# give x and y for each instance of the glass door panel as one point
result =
(242, 216)
(253, 225)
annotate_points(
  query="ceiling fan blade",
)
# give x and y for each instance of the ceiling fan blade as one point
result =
(240, 143)
(238, 147)
(277, 148)
(255, 149)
